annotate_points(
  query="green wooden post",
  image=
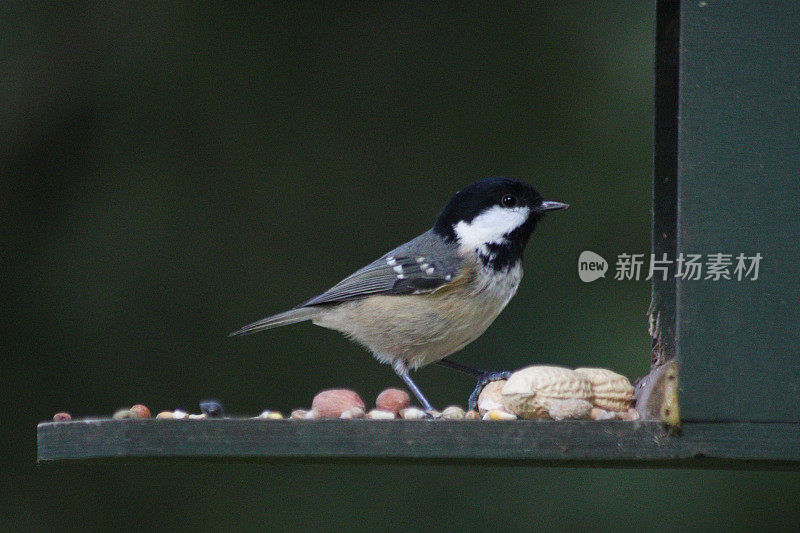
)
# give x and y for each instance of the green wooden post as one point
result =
(738, 191)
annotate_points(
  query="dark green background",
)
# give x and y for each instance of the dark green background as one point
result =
(171, 172)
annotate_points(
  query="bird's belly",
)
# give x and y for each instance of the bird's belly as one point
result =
(421, 329)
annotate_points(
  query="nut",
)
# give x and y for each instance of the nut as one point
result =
(491, 397)
(601, 414)
(332, 403)
(201, 416)
(139, 411)
(394, 400)
(453, 412)
(413, 413)
(311, 415)
(570, 409)
(498, 414)
(298, 414)
(472, 415)
(62, 417)
(165, 415)
(630, 414)
(377, 414)
(121, 414)
(355, 412)
(530, 391)
(178, 414)
(610, 390)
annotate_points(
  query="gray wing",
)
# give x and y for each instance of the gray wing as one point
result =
(422, 265)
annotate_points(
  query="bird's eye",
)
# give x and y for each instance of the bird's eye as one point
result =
(509, 201)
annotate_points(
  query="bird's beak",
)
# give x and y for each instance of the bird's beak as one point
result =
(550, 205)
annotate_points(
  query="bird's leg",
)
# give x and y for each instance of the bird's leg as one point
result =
(402, 370)
(484, 378)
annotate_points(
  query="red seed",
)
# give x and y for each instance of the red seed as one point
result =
(139, 411)
(332, 403)
(62, 417)
(393, 400)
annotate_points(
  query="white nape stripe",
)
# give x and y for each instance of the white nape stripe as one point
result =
(490, 227)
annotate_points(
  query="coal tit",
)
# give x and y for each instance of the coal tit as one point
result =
(433, 295)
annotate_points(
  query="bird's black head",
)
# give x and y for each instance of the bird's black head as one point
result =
(494, 216)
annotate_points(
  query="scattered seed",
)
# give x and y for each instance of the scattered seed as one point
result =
(377, 414)
(354, 412)
(139, 411)
(497, 414)
(270, 415)
(413, 413)
(394, 400)
(453, 412)
(332, 403)
(212, 408)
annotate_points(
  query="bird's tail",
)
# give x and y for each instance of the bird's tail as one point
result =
(291, 316)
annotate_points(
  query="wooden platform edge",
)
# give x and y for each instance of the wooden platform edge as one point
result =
(608, 443)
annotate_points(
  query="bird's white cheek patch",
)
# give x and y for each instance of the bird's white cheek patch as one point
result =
(491, 227)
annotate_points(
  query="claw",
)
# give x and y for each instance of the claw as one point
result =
(483, 380)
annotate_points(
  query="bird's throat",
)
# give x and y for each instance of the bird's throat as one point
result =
(500, 256)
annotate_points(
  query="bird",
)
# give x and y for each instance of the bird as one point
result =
(430, 297)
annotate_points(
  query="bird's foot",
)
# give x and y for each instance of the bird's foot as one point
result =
(484, 379)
